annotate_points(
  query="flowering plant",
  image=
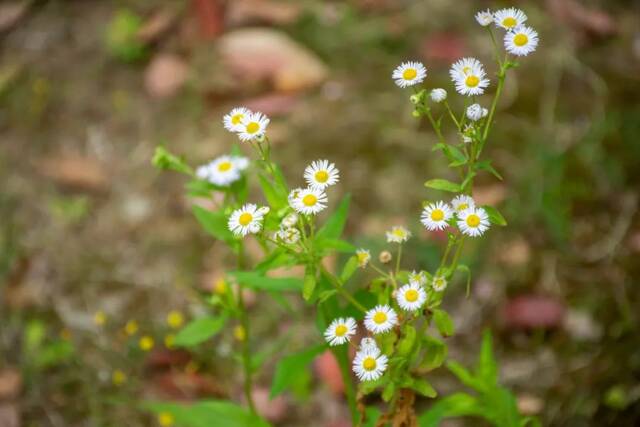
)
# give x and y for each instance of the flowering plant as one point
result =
(396, 307)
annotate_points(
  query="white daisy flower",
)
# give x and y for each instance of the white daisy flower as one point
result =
(521, 41)
(469, 76)
(438, 95)
(289, 236)
(254, 125)
(363, 256)
(509, 18)
(233, 120)
(340, 331)
(409, 73)
(380, 319)
(473, 221)
(368, 343)
(436, 215)
(398, 234)
(476, 112)
(411, 297)
(247, 219)
(310, 201)
(290, 220)
(223, 170)
(369, 364)
(321, 174)
(439, 283)
(418, 278)
(462, 202)
(484, 18)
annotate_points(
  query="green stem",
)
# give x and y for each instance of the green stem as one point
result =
(453, 116)
(245, 350)
(456, 256)
(398, 259)
(336, 284)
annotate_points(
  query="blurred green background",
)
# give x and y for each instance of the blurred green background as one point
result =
(88, 226)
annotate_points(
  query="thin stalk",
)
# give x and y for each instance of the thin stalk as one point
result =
(398, 259)
(336, 284)
(245, 350)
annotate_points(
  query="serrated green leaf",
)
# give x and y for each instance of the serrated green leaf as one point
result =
(290, 366)
(495, 217)
(443, 184)
(443, 322)
(333, 227)
(199, 330)
(258, 281)
(214, 223)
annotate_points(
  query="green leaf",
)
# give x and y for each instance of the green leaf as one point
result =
(333, 227)
(434, 355)
(495, 217)
(486, 166)
(334, 244)
(465, 376)
(258, 281)
(455, 405)
(163, 159)
(467, 180)
(443, 323)
(207, 413)
(349, 268)
(325, 295)
(443, 184)
(290, 366)
(487, 367)
(199, 330)
(458, 155)
(214, 223)
(53, 354)
(309, 284)
(389, 390)
(274, 198)
(423, 387)
(278, 258)
(406, 342)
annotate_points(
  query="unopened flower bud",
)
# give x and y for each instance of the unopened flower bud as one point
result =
(385, 257)
(416, 113)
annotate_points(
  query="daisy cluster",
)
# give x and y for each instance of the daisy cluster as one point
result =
(519, 39)
(369, 363)
(248, 125)
(471, 220)
(319, 175)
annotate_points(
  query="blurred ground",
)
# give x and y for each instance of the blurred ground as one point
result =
(89, 88)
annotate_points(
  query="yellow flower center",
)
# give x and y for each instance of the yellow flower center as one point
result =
(237, 118)
(411, 295)
(245, 219)
(362, 257)
(309, 200)
(131, 327)
(472, 81)
(398, 232)
(224, 166)
(437, 215)
(520, 39)
(165, 419)
(341, 330)
(175, 319)
(146, 343)
(253, 127)
(509, 22)
(369, 364)
(239, 333)
(473, 220)
(322, 176)
(380, 317)
(409, 74)
(462, 206)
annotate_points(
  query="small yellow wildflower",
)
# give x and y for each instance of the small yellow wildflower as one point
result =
(220, 287)
(165, 419)
(131, 328)
(118, 377)
(146, 343)
(175, 319)
(239, 333)
(100, 318)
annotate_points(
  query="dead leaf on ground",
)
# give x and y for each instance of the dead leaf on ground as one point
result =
(581, 17)
(274, 410)
(243, 12)
(157, 25)
(75, 172)
(263, 54)
(9, 415)
(533, 312)
(443, 47)
(273, 104)
(165, 75)
(10, 383)
(328, 370)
